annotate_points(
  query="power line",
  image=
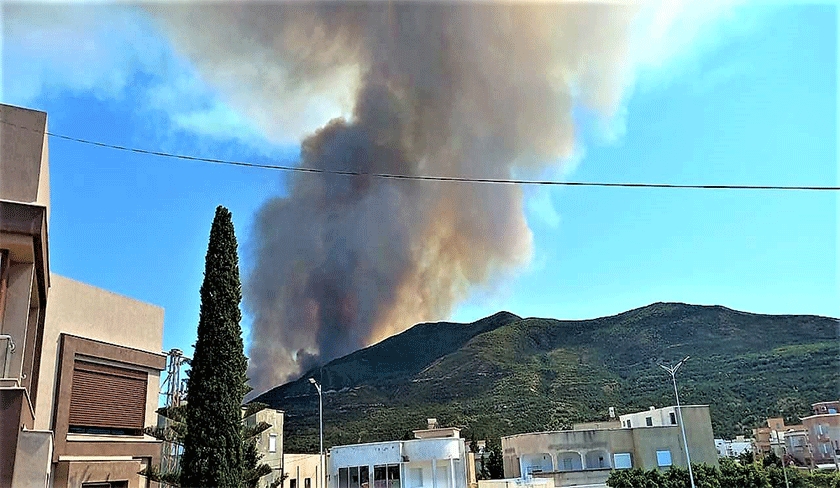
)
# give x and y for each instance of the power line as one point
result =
(457, 179)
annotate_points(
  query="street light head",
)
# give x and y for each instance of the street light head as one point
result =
(312, 380)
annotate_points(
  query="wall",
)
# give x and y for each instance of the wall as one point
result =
(829, 440)
(80, 309)
(24, 156)
(300, 467)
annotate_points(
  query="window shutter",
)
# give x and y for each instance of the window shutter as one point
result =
(107, 397)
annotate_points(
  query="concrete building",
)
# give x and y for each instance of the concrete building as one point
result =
(81, 369)
(797, 447)
(824, 434)
(588, 453)
(435, 458)
(771, 437)
(25, 453)
(269, 442)
(732, 448)
(302, 470)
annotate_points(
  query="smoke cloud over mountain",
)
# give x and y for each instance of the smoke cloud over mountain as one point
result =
(449, 89)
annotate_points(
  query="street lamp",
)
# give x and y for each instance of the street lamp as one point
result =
(673, 372)
(321, 429)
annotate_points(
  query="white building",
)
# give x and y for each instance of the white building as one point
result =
(732, 448)
(436, 458)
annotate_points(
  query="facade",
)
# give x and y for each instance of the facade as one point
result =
(797, 447)
(586, 456)
(102, 354)
(824, 434)
(771, 438)
(302, 470)
(732, 448)
(435, 458)
(269, 442)
(80, 370)
(25, 452)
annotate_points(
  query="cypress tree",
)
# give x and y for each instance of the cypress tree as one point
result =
(213, 445)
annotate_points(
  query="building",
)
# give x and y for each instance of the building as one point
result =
(588, 453)
(302, 470)
(269, 442)
(25, 453)
(797, 447)
(732, 448)
(81, 366)
(823, 408)
(435, 458)
(824, 434)
(771, 437)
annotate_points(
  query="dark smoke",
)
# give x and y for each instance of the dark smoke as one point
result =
(467, 89)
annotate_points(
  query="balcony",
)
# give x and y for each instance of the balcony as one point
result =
(7, 349)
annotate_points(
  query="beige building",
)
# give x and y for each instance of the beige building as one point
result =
(824, 434)
(588, 453)
(270, 442)
(771, 437)
(80, 370)
(302, 470)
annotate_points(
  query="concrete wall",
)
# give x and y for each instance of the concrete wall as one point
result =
(24, 156)
(84, 310)
(36, 447)
(301, 466)
(824, 436)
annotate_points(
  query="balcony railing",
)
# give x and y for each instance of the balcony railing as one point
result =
(7, 347)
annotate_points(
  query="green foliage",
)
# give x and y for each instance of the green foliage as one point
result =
(154, 473)
(495, 460)
(504, 375)
(730, 474)
(214, 452)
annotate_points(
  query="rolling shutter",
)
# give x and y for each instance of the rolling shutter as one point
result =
(107, 397)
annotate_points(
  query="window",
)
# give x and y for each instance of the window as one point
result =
(107, 399)
(386, 476)
(621, 460)
(307, 483)
(415, 475)
(353, 477)
(628, 424)
(272, 443)
(673, 418)
(663, 458)
(649, 421)
(293, 483)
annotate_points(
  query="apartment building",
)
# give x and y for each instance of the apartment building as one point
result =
(588, 453)
(771, 437)
(25, 453)
(269, 442)
(823, 428)
(80, 365)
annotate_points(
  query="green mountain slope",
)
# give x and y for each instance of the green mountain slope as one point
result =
(504, 375)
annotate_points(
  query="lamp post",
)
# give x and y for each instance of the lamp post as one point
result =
(321, 429)
(673, 372)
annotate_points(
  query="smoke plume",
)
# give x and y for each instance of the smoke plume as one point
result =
(463, 89)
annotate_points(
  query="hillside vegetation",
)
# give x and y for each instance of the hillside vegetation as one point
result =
(504, 374)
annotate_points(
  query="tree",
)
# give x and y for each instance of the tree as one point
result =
(495, 461)
(214, 449)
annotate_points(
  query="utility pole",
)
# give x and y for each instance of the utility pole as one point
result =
(673, 372)
(321, 429)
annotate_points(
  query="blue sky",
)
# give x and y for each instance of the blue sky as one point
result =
(744, 105)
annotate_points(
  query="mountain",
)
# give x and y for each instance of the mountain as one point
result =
(504, 374)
